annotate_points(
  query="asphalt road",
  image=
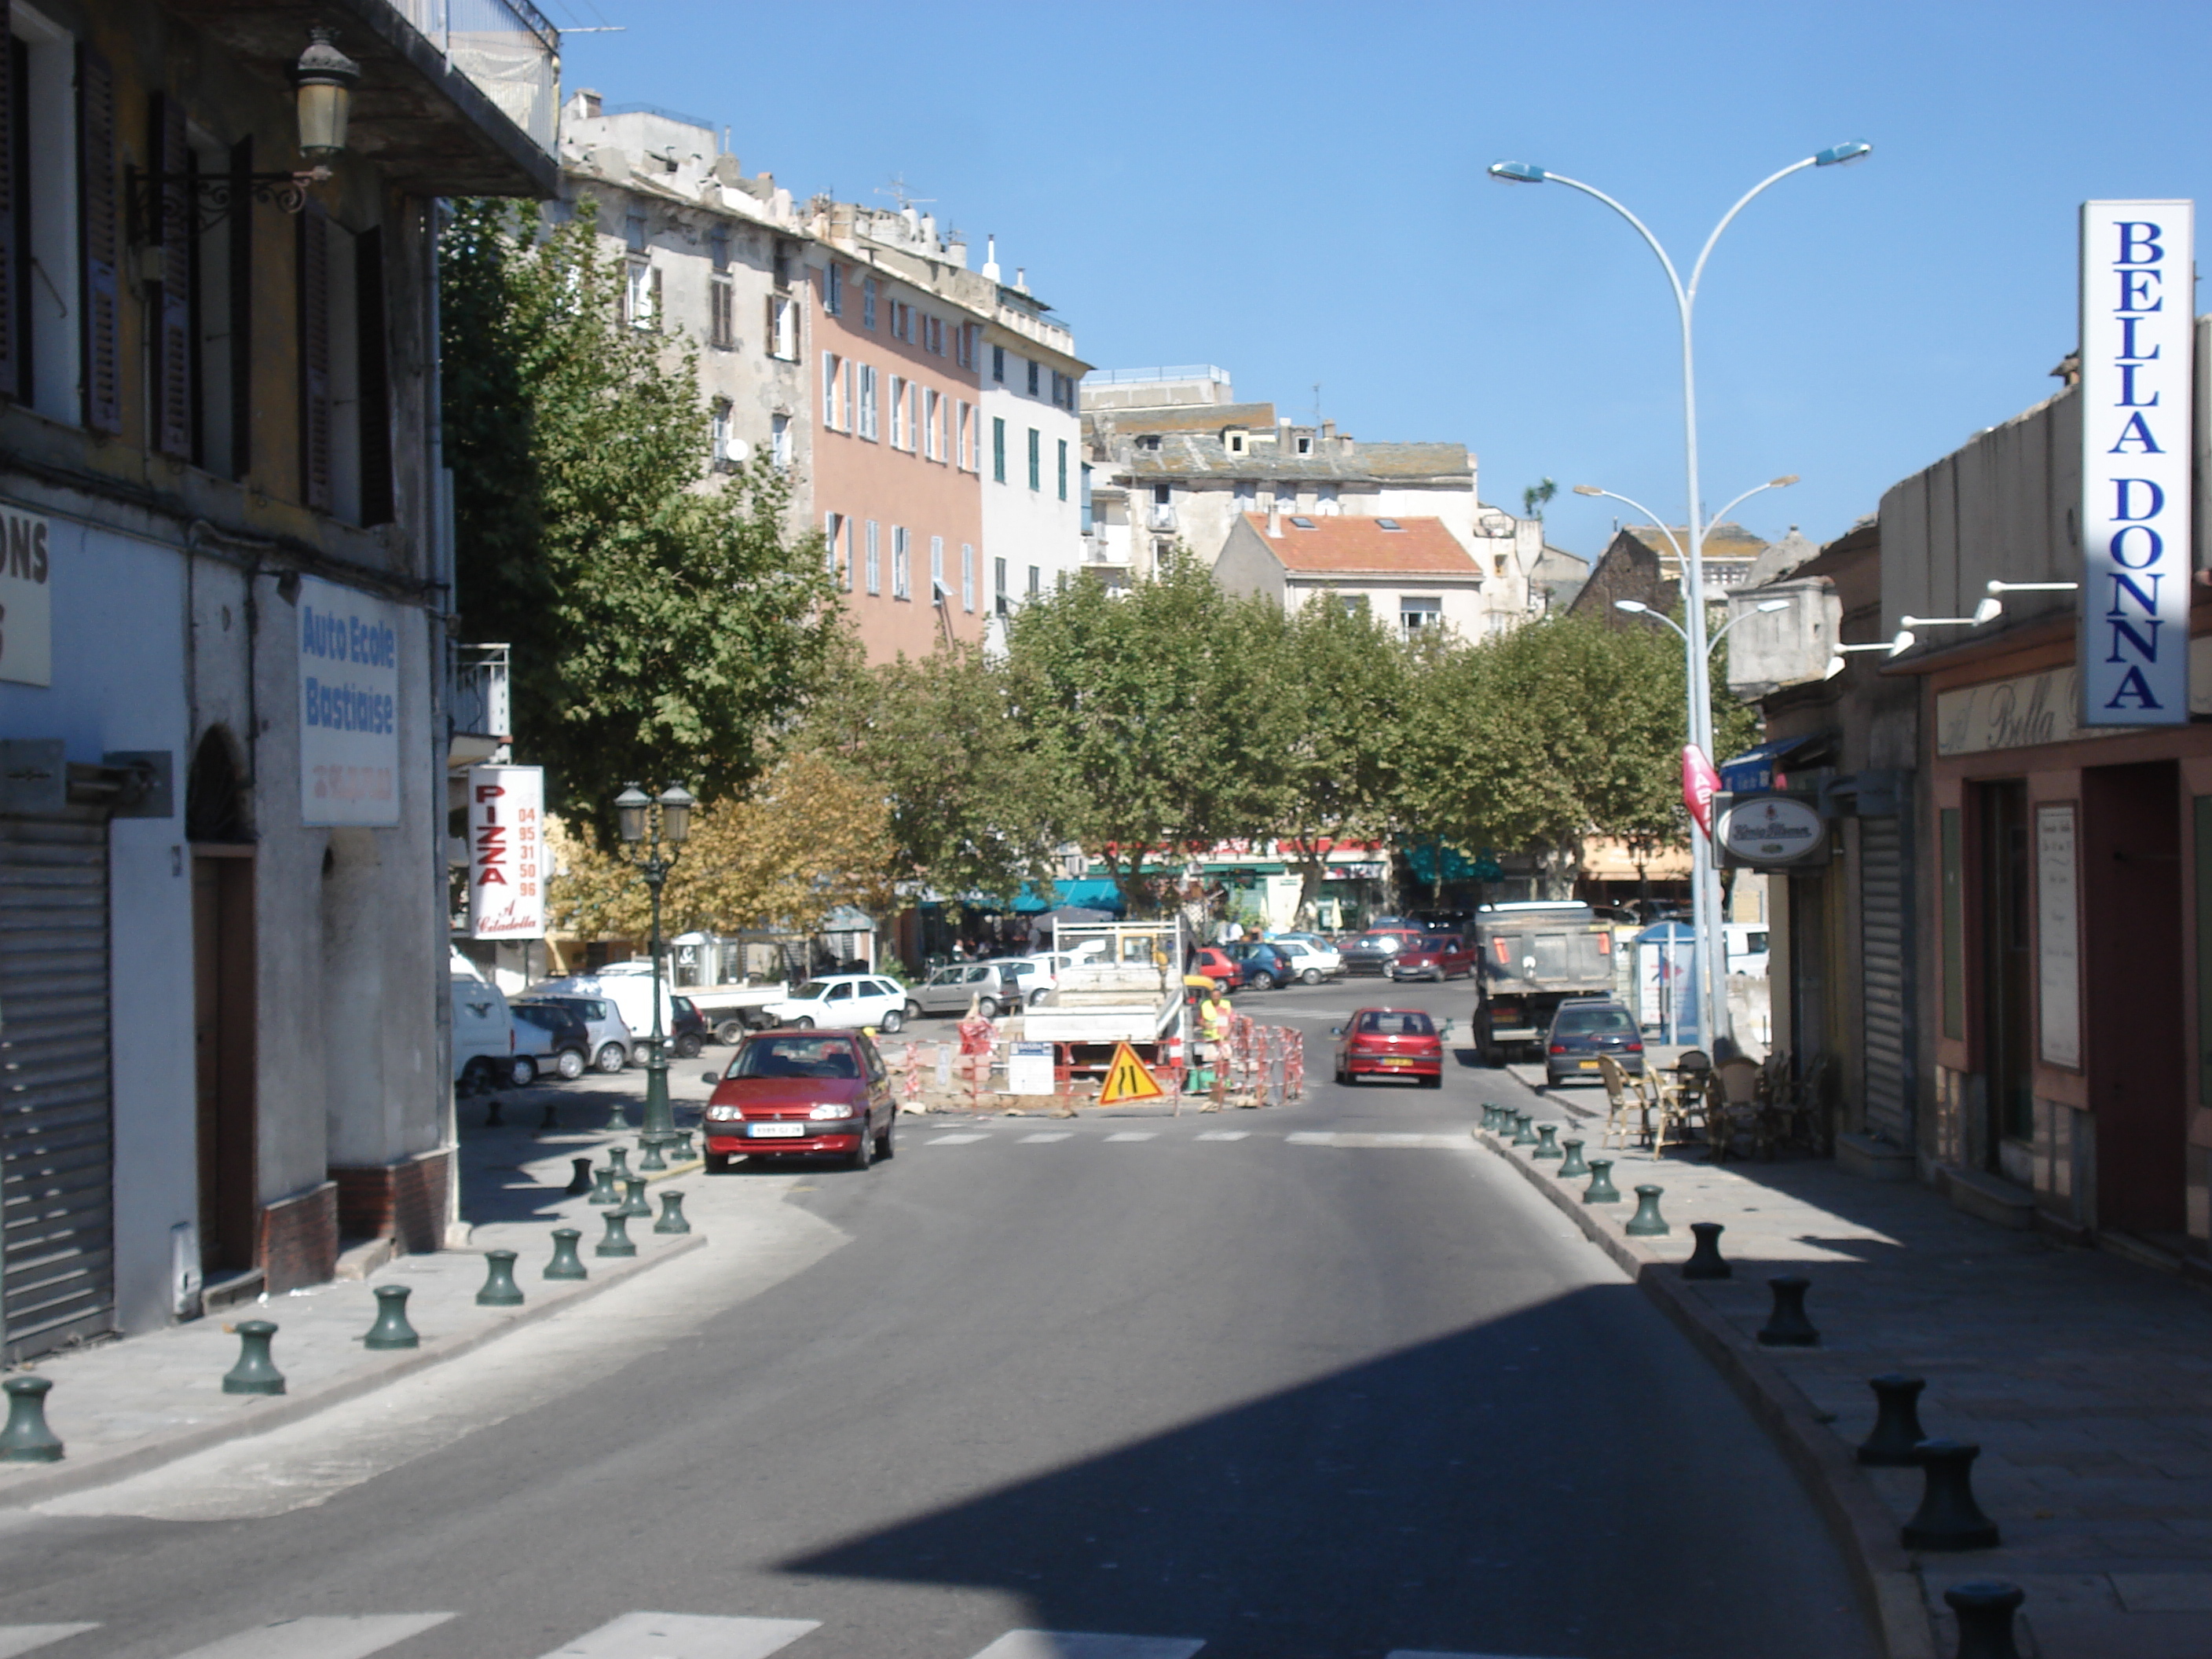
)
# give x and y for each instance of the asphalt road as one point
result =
(1141, 1378)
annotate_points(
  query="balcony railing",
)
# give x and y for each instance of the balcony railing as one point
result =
(481, 706)
(1160, 518)
(505, 47)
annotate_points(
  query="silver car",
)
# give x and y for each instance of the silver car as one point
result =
(610, 1034)
(949, 989)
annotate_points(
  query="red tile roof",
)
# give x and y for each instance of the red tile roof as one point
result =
(1343, 542)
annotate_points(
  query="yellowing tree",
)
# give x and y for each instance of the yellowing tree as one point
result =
(809, 836)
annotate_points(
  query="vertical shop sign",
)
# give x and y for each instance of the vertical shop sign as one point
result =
(2057, 937)
(506, 852)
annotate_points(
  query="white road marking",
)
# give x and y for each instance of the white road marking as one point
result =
(686, 1636)
(953, 1140)
(1384, 1138)
(1225, 1134)
(1040, 1139)
(1135, 1135)
(21, 1639)
(1062, 1644)
(321, 1637)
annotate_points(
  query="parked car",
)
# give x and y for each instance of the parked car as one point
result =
(1747, 947)
(949, 989)
(1585, 1028)
(1370, 953)
(610, 1036)
(1391, 1042)
(1311, 961)
(789, 1094)
(549, 1037)
(845, 1001)
(483, 1031)
(1212, 962)
(1263, 966)
(1027, 979)
(1438, 956)
(687, 1033)
(1444, 922)
(629, 985)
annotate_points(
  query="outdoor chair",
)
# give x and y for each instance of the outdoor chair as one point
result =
(1733, 1105)
(1678, 1105)
(1625, 1116)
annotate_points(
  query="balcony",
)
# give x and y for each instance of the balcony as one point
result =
(1157, 517)
(481, 711)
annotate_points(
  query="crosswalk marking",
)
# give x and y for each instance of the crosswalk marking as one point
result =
(1039, 1139)
(686, 1636)
(321, 1637)
(953, 1140)
(1135, 1135)
(1226, 1135)
(1066, 1644)
(21, 1639)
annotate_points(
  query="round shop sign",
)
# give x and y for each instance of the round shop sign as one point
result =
(1771, 830)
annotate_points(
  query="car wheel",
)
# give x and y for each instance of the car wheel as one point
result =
(689, 1045)
(1037, 996)
(478, 1075)
(522, 1071)
(1343, 1077)
(988, 1006)
(1311, 976)
(1436, 1082)
(894, 1018)
(804, 1023)
(864, 1150)
(640, 1054)
(717, 1163)
(610, 1059)
(1263, 981)
(732, 1032)
(569, 1063)
(884, 1146)
(914, 1009)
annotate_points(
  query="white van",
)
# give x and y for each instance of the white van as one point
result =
(483, 1031)
(628, 989)
(1747, 947)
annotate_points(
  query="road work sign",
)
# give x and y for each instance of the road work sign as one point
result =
(1126, 1079)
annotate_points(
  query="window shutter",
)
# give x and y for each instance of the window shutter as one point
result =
(102, 234)
(240, 226)
(14, 342)
(314, 301)
(654, 321)
(173, 303)
(375, 376)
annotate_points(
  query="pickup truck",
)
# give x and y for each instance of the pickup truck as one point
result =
(1122, 983)
(1529, 959)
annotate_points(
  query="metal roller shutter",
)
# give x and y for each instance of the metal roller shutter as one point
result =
(1886, 966)
(56, 1218)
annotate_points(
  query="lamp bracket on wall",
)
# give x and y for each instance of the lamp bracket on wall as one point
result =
(211, 196)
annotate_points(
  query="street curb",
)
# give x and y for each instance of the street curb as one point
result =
(26, 1484)
(1862, 1526)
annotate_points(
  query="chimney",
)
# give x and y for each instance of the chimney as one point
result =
(1022, 279)
(1275, 517)
(1283, 436)
(1329, 432)
(590, 100)
(991, 258)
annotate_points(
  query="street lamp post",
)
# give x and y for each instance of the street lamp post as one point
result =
(1706, 889)
(651, 819)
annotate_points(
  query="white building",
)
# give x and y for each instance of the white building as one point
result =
(1409, 574)
(1033, 435)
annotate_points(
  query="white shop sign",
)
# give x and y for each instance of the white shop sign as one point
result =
(506, 852)
(2058, 939)
(1762, 830)
(348, 707)
(2138, 378)
(27, 607)
(2029, 709)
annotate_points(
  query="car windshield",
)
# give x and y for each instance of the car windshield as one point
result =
(1594, 1022)
(813, 991)
(1379, 1023)
(795, 1056)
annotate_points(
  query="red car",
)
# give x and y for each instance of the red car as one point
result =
(1217, 965)
(789, 1093)
(1391, 1042)
(1438, 956)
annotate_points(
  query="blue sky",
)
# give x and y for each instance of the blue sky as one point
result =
(1296, 191)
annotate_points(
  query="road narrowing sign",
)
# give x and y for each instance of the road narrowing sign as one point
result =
(1127, 1079)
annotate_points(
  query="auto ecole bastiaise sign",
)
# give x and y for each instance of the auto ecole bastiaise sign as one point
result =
(348, 707)
(2137, 328)
(27, 605)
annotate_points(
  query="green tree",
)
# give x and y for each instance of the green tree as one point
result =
(663, 627)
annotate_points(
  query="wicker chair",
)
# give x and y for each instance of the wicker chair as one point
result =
(1626, 1113)
(1734, 1104)
(1682, 1108)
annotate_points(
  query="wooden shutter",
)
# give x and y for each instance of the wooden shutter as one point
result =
(12, 339)
(100, 231)
(656, 320)
(315, 304)
(375, 375)
(172, 353)
(240, 227)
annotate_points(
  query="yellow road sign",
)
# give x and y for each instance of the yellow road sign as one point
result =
(1127, 1079)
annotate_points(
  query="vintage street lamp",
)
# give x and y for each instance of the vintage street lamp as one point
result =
(323, 83)
(653, 820)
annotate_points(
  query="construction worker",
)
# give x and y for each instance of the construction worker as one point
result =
(1214, 1015)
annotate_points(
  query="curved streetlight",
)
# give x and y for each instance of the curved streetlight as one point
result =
(1705, 888)
(1638, 608)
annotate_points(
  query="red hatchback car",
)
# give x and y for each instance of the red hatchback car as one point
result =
(1215, 963)
(1438, 956)
(1391, 1042)
(787, 1093)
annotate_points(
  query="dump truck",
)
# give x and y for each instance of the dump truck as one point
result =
(1530, 958)
(1122, 984)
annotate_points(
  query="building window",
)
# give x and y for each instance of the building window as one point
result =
(1306, 444)
(722, 315)
(641, 295)
(723, 440)
(1417, 615)
(901, 560)
(963, 346)
(1355, 604)
(898, 413)
(932, 415)
(867, 401)
(783, 327)
(779, 441)
(1033, 380)
(634, 231)
(833, 289)
(967, 577)
(1036, 458)
(718, 249)
(833, 413)
(999, 364)
(1063, 469)
(999, 585)
(938, 590)
(868, 303)
(963, 437)
(1063, 389)
(998, 449)
(833, 533)
(1036, 580)
(932, 335)
(1089, 522)
(875, 559)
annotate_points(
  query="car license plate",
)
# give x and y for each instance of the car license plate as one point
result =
(777, 1131)
(1587, 1064)
(1397, 1062)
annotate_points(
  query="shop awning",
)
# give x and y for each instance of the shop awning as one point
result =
(1091, 894)
(1755, 767)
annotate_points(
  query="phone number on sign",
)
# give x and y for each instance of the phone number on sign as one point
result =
(352, 782)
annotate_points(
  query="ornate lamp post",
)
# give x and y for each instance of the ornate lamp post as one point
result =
(654, 819)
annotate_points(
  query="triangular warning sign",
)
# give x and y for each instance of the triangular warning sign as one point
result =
(1127, 1079)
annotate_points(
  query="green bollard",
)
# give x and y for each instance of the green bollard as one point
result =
(683, 1149)
(1706, 1261)
(1489, 1118)
(648, 1155)
(1985, 1609)
(565, 1263)
(580, 1182)
(1521, 1137)
(1787, 1327)
(633, 1203)
(256, 1372)
(1949, 1518)
(1647, 1221)
(500, 1290)
(1574, 1169)
(603, 1188)
(619, 1122)
(618, 1161)
(617, 1239)
(27, 1439)
(391, 1329)
(1601, 1189)
(672, 1215)
(1548, 1143)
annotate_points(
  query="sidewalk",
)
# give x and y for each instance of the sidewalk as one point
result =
(2086, 1380)
(126, 1406)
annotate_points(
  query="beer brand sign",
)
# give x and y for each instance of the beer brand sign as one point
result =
(2137, 312)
